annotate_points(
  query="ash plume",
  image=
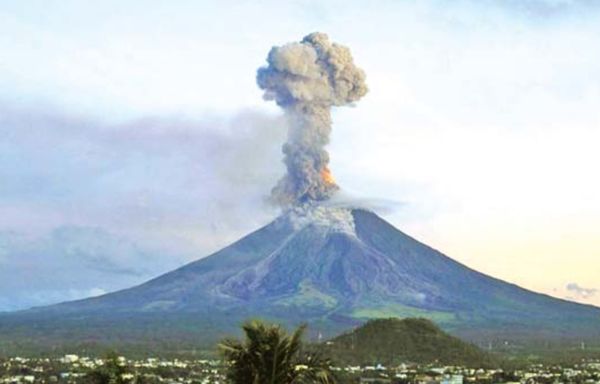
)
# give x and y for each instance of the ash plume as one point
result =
(306, 79)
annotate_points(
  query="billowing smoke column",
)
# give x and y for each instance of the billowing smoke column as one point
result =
(306, 79)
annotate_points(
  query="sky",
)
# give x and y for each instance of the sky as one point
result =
(133, 137)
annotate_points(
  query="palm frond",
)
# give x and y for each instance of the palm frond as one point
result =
(269, 355)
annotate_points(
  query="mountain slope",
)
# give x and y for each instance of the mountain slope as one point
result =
(393, 341)
(331, 267)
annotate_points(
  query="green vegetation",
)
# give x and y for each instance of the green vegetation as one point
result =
(393, 341)
(112, 372)
(402, 311)
(268, 355)
(309, 296)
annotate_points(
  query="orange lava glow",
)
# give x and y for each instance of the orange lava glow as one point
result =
(327, 176)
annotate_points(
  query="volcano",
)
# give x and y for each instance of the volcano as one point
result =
(329, 266)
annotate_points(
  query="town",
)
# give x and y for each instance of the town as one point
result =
(73, 368)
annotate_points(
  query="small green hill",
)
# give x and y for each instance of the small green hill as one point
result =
(393, 341)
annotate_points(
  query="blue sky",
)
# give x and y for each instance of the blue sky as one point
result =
(133, 137)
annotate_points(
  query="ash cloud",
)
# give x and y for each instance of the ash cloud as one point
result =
(71, 263)
(336, 219)
(87, 205)
(306, 79)
(168, 175)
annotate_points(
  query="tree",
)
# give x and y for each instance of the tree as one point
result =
(110, 373)
(268, 355)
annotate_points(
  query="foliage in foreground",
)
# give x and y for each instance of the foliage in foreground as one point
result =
(269, 355)
(112, 372)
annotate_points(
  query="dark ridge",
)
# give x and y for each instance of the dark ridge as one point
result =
(392, 342)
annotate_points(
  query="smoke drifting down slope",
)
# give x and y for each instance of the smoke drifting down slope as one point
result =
(306, 79)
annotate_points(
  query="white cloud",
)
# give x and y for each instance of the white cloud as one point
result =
(581, 293)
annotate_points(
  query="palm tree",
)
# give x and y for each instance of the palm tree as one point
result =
(268, 355)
